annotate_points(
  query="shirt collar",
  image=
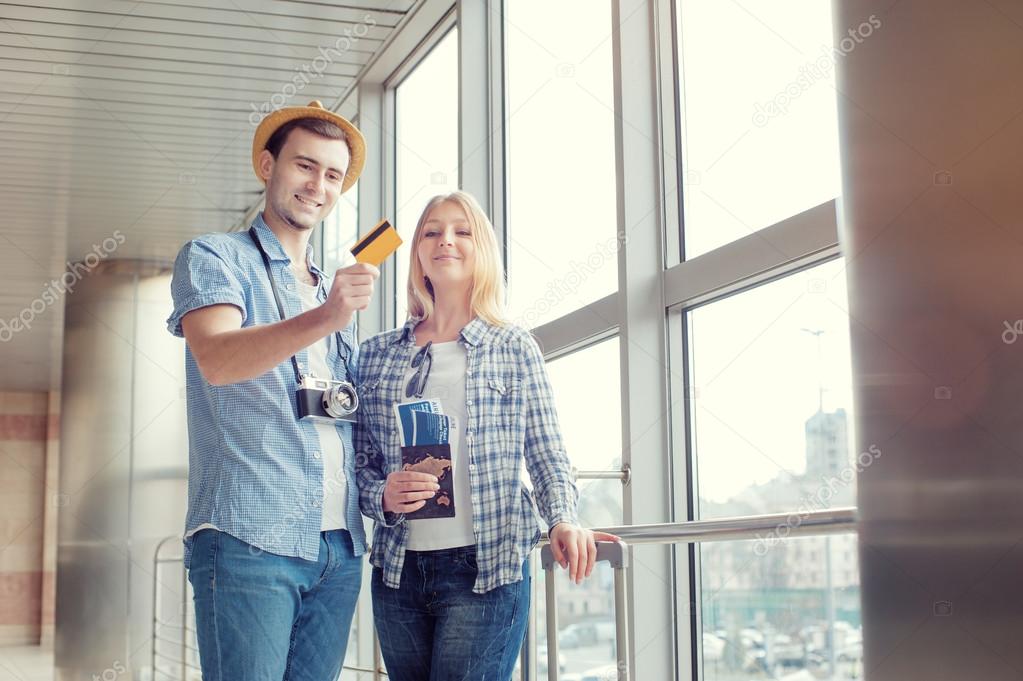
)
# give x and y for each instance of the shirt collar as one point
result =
(273, 246)
(472, 333)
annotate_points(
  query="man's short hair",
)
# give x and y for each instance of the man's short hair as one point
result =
(317, 126)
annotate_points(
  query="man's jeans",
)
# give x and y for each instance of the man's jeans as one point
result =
(261, 616)
(434, 628)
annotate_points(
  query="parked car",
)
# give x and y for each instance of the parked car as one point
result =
(589, 633)
(608, 672)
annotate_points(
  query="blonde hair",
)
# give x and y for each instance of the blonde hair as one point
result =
(486, 297)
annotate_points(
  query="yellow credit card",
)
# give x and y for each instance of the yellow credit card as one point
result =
(377, 245)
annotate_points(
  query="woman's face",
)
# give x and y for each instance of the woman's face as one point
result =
(447, 252)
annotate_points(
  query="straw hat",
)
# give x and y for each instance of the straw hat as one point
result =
(356, 142)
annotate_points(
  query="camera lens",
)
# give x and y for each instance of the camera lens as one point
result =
(340, 400)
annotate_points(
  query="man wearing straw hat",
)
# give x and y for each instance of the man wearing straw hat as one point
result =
(273, 535)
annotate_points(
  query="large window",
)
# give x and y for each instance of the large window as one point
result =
(561, 206)
(760, 135)
(587, 390)
(771, 405)
(781, 609)
(426, 139)
(772, 421)
(340, 230)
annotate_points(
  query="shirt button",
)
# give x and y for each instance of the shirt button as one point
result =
(472, 467)
(290, 286)
(316, 455)
(468, 402)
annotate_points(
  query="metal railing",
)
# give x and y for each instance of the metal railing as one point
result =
(182, 660)
(783, 525)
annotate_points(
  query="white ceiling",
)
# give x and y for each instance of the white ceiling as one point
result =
(138, 117)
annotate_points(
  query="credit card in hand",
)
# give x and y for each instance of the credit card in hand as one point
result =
(377, 245)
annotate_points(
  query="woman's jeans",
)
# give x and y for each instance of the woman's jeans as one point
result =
(260, 616)
(434, 628)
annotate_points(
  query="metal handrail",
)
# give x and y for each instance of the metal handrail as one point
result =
(625, 475)
(784, 525)
(775, 527)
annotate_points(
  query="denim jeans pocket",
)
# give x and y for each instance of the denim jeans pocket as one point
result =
(467, 559)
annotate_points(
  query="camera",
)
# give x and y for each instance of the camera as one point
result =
(325, 401)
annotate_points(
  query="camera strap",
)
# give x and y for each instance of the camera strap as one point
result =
(280, 306)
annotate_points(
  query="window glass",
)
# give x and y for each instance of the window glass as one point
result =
(760, 134)
(561, 198)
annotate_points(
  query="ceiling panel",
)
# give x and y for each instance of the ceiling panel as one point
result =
(138, 117)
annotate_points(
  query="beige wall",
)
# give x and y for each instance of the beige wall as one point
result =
(29, 430)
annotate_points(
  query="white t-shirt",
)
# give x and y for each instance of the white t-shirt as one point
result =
(331, 450)
(446, 383)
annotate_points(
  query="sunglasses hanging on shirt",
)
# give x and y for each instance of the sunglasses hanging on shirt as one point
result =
(422, 363)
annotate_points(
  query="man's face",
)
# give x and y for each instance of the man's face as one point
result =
(303, 183)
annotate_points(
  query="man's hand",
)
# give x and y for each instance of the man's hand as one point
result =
(407, 491)
(351, 291)
(575, 549)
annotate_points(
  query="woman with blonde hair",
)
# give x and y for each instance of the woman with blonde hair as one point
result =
(451, 594)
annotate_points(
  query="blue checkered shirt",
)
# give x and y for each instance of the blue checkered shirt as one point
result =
(511, 418)
(252, 472)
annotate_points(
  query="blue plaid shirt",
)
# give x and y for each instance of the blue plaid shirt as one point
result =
(511, 417)
(252, 471)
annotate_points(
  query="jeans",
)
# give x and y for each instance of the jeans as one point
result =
(434, 628)
(260, 616)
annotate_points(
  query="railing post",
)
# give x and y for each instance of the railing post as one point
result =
(615, 553)
(527, 656)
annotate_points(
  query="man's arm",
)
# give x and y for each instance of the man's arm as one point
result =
(227, 353)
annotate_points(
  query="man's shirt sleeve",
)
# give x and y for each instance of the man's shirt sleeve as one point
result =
(201, 278)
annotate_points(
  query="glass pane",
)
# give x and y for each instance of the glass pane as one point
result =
(561, 203)
(785, 609)
(578, 379)
(426, 139)
(761, 131)
(771, 398)
(586, 612)
(340, 229)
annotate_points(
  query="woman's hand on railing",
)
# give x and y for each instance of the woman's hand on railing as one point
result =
(575, 549)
